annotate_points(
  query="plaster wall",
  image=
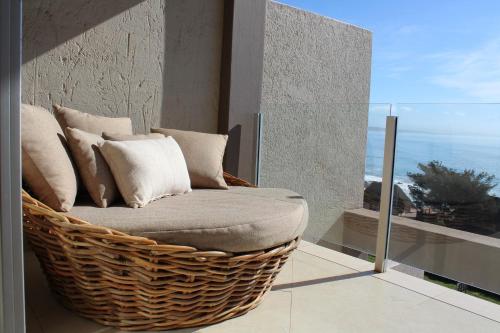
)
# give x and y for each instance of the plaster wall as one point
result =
(158, 62)
(155, 61)
(315, 95)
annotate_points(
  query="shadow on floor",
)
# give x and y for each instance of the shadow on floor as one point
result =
(322, 280)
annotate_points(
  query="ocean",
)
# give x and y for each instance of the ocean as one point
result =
(480, 153)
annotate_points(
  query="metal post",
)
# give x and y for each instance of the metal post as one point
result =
(257, 148)
(11, 250)
(384, 222)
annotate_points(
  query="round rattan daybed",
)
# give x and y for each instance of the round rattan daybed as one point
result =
(136, 283)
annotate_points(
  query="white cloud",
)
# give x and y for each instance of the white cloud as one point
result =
(380, 108)
(475, 73)
(409, 29)
(397, 72)
(405, 109)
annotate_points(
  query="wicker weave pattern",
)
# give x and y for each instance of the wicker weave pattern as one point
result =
(134, 283)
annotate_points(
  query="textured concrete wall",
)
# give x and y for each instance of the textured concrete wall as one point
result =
(158, 62)
(314, 100)
(193, 43)
(155, 61)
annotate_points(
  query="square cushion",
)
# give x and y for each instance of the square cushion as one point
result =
(128, 137)
(240, 219)
(203, 153)
(47, 167)
(146, 170)
(94, 170)
(89, 123)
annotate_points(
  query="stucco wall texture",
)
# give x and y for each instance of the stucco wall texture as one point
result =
(158, 62)
(315, 98)
(155, 61)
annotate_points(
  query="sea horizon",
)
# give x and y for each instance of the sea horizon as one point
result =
(460, 152)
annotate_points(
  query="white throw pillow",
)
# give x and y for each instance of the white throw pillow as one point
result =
(147, 170)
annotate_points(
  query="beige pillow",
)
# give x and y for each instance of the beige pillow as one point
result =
(47, 166)
(127, 137)
(94, 170)
(204, 153)
(89, 123)
(146, 170)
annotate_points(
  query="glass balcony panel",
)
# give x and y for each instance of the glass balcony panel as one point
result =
(446, 210)
(320, 152)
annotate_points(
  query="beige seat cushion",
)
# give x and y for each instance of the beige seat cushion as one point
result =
(47, 166)
(94, 170)
(147, 170)
(240, 219)
(89, 123)
(204, 153)
(133, 137)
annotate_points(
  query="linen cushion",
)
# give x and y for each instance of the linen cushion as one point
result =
(240, 219)
(128, 137)
(47, 167)
(89, 123)
(94, 170)
(147, 170)
(204, 153)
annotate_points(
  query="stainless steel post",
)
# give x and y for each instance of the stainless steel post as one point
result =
(386, 195)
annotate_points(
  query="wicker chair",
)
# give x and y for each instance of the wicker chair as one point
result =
(135, 283)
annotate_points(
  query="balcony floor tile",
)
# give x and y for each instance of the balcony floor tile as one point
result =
(318, 290)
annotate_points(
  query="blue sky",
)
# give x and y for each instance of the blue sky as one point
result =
(426, 51)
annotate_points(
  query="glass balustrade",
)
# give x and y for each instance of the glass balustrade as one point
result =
(332, 155)
(445, 222)
(446, 203)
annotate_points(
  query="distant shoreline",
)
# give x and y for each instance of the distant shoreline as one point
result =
(405, 185)
(450, 133)
(459, 152)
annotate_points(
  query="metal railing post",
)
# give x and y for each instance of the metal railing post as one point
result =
(386, 194)
(12, 308)
(258, 147)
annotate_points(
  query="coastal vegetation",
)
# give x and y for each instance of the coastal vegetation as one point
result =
(448, 197)
(453, 198)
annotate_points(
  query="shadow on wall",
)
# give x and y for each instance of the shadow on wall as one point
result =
(155, 61)
(57, 21)
(193, 42)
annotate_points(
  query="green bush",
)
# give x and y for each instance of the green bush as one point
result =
(437, 186)
(456, 199)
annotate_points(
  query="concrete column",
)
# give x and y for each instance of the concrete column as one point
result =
(241, 82)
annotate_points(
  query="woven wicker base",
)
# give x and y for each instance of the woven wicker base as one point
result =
(134, 283)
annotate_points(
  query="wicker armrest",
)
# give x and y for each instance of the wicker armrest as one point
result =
(235, 181)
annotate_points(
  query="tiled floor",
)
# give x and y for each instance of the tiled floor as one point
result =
(319, 290)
